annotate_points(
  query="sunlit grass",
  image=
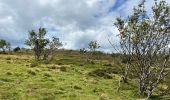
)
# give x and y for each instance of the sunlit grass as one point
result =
(65, 78)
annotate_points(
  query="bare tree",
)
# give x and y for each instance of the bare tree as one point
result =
(144, 39)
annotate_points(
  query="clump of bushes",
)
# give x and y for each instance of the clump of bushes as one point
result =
(31, 72)
(17, 49)
(100, 73)
(34, 64)
(105, 72)
(63, 69)
(9, 73)
(47, 74)
(77, 87)
(108, 65)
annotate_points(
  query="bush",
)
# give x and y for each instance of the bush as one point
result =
(100, 73)
(8, 73)
(31, 72)
(63, 69)
(16, 49)
(47, 74)
(8, 58)
(34, 64)
(77, 87)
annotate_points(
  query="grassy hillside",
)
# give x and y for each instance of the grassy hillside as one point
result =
(68, 77)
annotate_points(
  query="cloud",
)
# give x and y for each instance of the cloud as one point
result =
(75, 22)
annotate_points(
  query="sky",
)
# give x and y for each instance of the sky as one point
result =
(75, 22)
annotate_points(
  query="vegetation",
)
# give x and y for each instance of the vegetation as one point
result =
(53, 46)
(66, 78)
(93, 45)
(17, 49)
(140, 70)
(38, 42)
(4, 45)
(144, 42)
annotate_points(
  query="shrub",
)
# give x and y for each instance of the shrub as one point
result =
(9, 73)
(16, 49)
(63, 69)
(100, 73)
(31, 72)
(34, 64)
(77, 87)
(8, 58)
(47, 74)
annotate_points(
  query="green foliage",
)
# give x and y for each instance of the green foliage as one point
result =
(16, 49)
(83, 50)
(93, 45)
(143, 38)
(34, 64)
(4, 45)
(55, 43)
(31, 72)
(106, 72)
(38, 41)
(46, 81)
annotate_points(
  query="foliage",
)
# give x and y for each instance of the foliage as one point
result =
(83, 50)
(17, 49)
(37, 41)
(53, 45)
(93, 45)
(4, 45)
(143, 38)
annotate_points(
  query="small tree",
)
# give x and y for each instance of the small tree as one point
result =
(144, 40)
(83, 50)
(3, 43)
(52, 47)
(17, 49)
(93, 45)
(37, 41)
(8, 46)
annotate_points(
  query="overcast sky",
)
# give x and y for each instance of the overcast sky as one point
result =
(75, 22)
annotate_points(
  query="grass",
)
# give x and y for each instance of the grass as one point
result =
(65, 78)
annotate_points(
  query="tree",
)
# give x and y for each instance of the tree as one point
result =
(93, 45)
(144, 39)
(17, 49)
(52, 47)
(37, 41)
(83, 50)
(3, 43)
(8, 46)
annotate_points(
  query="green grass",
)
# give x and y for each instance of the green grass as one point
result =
(65, 78)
